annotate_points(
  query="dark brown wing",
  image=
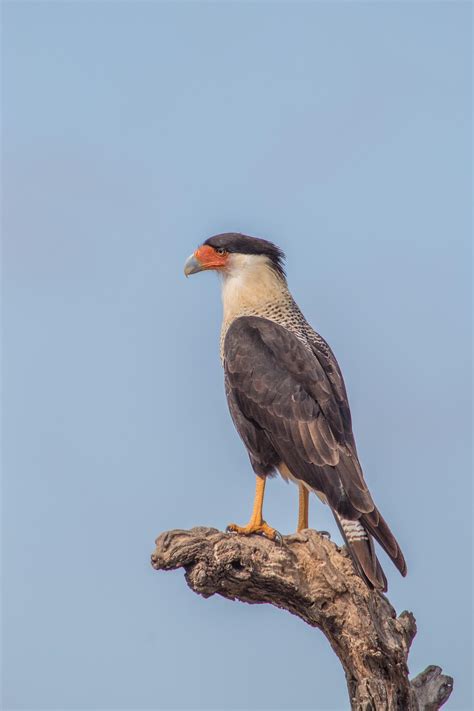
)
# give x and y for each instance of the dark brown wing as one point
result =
(329, 364)
(279, 384)
(296, 397)
(263, 456)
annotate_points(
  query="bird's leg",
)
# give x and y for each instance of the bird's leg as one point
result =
(302, 507)
(256, 523)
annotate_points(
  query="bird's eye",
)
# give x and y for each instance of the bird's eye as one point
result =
(220, 250)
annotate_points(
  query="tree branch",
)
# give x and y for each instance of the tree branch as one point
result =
(312, 578)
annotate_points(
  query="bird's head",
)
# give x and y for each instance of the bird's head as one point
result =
(232, 254)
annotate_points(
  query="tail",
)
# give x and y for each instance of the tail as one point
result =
(358, 534)
(375, 523)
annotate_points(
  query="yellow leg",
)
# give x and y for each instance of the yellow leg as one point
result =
(256, 523)
(302, 507)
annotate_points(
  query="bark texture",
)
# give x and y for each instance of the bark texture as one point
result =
(312, 578)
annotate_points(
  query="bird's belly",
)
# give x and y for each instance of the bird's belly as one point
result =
(288, 476)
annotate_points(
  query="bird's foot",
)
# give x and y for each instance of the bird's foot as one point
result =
(324, 534)
(262, 529)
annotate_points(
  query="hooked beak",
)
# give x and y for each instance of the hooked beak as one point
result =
(205, 258)
(193, 265)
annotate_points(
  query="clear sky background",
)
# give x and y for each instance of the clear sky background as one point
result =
(132, 131)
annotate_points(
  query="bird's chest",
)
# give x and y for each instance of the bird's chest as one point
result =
(224, 329)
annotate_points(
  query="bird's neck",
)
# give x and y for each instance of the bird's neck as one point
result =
(251, 290)
(254, 291)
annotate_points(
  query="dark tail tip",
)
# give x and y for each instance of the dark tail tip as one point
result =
(378, 527)
(361, 548)
(368, 564)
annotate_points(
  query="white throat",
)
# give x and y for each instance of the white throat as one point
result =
(251, 287)
(249, 284)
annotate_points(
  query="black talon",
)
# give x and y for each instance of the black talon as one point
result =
(278, 538)
(325, 534)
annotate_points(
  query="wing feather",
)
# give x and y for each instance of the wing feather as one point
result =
(283, 387)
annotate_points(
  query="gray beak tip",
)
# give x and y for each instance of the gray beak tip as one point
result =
(192, 266)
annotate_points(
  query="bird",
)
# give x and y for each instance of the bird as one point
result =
(288, 401)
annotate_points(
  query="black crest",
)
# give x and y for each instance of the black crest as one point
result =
(235, 242)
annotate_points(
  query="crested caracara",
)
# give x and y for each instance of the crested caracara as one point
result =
(288, 400)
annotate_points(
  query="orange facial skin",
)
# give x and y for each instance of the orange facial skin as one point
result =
(209, 258)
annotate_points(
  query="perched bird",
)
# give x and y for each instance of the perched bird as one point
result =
(287, 399)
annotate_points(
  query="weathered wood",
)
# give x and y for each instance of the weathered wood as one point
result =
(312, 578)
(432, 688)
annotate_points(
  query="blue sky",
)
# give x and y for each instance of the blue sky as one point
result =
(132, 131)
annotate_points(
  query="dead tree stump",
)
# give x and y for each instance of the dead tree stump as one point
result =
(312, 578)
